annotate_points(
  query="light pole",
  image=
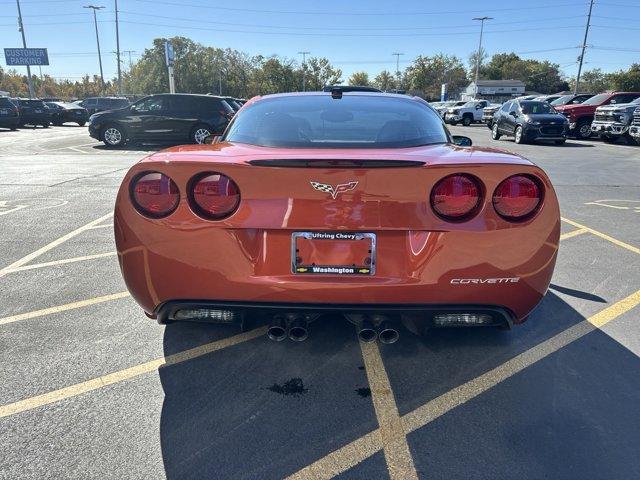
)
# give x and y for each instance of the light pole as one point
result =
(397, 54)
(478, 59)
(584, 46)
(24, 44)
(118, 52)
(95, 21)
(304, 69)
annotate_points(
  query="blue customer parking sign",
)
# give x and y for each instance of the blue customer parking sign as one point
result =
(26, 56)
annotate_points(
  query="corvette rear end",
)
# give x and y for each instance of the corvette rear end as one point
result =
(431, 235)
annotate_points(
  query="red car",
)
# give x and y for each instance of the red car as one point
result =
(359, 203)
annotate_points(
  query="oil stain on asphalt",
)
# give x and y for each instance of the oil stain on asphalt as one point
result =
(294, 387)
(364, 392)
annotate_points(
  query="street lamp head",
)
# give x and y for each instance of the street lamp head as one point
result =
(95, 7)
(483, 18)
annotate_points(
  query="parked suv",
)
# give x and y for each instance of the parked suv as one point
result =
(613, 121)
(9, 114)
(488, 113)
(581, 116)
(529, 120)
(571, 99)
(466, 114)
(634, 131)
(101, 104)
(62, 112)
(163, 118)
(33, 112)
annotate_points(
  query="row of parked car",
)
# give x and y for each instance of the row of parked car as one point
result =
(610, 115)
(116, 121)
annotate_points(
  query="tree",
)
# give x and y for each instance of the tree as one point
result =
(384, 81)
(473, 60)
(320, 73)
(626, 81)
(592, 81)
(427, 74)
(543, 77)
(359, 78)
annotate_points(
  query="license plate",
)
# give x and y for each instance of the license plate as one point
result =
(333, 253)
(4, 111)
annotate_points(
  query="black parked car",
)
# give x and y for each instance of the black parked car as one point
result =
(571, 99)
(529, 120)
(62, 112)
(163, 118)
(9, 114)
(101, 104)
(33, 112)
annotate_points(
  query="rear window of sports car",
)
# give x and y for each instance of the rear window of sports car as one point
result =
(354, 121)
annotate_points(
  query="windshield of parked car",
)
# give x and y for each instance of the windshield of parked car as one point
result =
(563, 100)
(536, 108)
(353, 121)
(597, 99)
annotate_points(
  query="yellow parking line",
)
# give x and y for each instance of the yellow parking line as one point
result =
(394, 441)
(603, 235)
(125, 374)
(59, 262)
(62, 308)
(26, 259)
(573, 233)
(364, 447)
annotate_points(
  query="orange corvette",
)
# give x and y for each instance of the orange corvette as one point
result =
(358, 203)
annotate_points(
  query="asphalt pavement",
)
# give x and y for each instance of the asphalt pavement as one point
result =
(91, 388)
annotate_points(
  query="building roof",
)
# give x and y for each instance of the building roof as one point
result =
(500, 83)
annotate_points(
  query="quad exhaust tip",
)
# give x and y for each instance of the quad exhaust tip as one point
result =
(388, 334)
(367, 333)
(298, 331)
(277, 330)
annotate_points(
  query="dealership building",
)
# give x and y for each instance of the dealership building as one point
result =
(494, 90)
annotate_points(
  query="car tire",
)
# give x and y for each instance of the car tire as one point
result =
(113, 136)
(467, 120)
(583, 129)
(608, 139)
(495, 134)
(81, 124)
(560, 142)
(45, 125)
(199, 133)
(519, 135)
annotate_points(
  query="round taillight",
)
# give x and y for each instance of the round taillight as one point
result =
(154, 194)
(214, 196)
(517, 197)
(456, 197)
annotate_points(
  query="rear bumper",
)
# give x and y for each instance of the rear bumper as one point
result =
(9, 122)
(425, 314)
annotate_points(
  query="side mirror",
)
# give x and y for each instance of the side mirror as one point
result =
(211, 139)
(461, 141)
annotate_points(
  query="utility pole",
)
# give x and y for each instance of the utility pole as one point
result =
(24, 44)
(129, 52)
(304, 69)
(584, 46)
(95, 21)
(478, 57)
(397, 54)
(118, 51)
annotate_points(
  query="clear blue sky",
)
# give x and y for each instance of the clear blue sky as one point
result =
(354, 35)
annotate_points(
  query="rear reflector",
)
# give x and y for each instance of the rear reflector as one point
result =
(456, 319)
(456, 197)
(154, 194)
(206, 314)
(214, 196)
(517, 197)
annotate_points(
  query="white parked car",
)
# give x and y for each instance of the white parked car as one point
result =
(444, 106)
(470, 112)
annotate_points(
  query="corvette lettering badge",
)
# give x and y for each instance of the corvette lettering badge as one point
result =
(334, 191)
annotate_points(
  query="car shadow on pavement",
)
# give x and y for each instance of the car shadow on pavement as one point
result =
(262, 409)
(131, 147)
